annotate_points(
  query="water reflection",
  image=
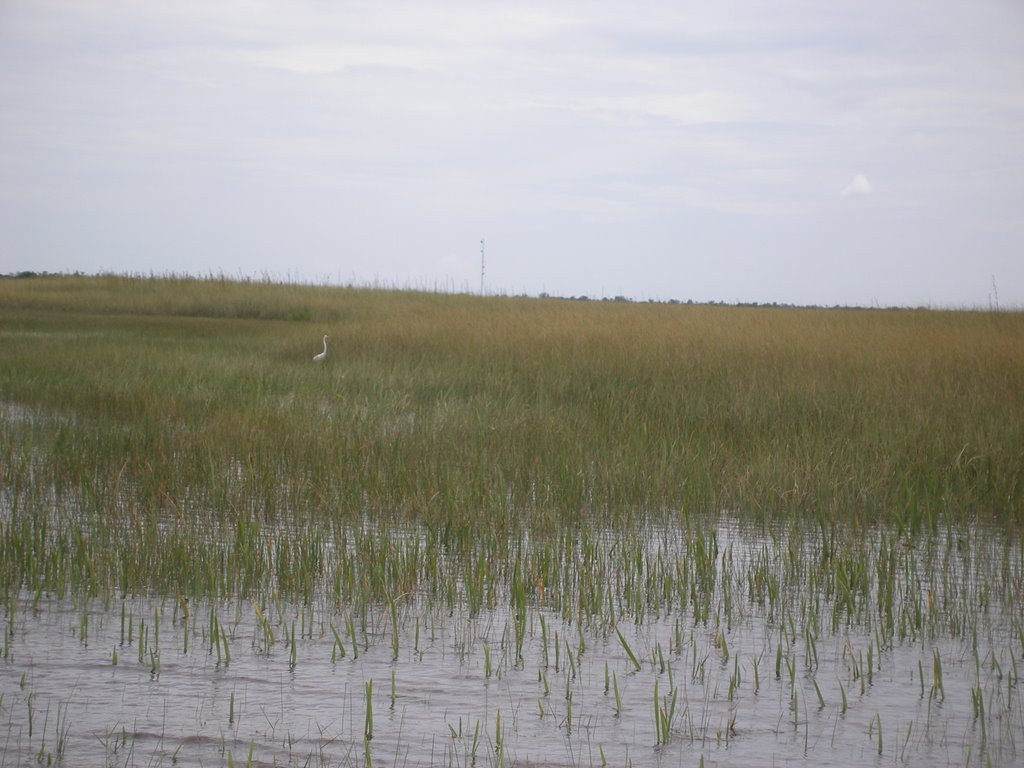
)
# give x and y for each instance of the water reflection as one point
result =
(762, 645)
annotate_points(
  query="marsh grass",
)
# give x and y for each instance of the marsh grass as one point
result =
(174, 437)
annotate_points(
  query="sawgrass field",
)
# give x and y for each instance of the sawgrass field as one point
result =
(188, 395)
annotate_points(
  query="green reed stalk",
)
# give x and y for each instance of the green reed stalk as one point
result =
(499, 740)
(544, 641)
(338, 649)
(937, 686)
(629, 651)
(226, 646)
(615, 690)
(351, 627)
(817, 690)
(368, 719)
(292, 647)
(393, 611)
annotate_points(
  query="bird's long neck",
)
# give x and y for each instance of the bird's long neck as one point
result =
(325, 343)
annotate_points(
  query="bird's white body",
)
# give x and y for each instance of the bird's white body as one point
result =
(319, 357)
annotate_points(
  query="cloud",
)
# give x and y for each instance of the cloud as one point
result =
(859, 186)
(324, 59)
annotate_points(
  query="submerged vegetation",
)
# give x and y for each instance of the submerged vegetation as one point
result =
(849, 482)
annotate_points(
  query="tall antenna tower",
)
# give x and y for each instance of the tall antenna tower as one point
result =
(481, 267)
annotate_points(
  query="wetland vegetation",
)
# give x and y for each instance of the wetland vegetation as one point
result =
(501, 530)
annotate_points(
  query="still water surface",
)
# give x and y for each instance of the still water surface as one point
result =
(143, 682)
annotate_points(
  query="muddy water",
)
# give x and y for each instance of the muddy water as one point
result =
(143, 682)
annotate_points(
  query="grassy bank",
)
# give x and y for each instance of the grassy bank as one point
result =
(134, 402)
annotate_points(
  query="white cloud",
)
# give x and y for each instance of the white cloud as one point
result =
(322, 59)
(859, 186)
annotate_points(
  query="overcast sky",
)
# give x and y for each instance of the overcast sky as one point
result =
(843, 152)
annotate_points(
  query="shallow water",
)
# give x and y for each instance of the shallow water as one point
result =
(458, 693)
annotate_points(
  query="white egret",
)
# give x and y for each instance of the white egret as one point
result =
(319, 358)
